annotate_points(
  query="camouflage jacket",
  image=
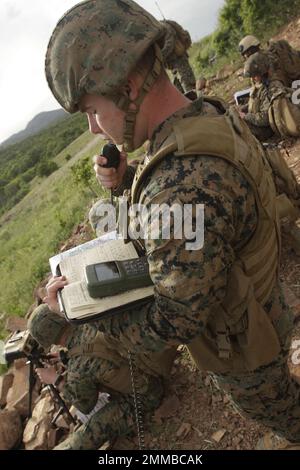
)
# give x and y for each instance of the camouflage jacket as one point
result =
(258, 107)
(189, 284)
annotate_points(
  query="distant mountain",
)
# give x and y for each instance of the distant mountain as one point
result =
(38, 123)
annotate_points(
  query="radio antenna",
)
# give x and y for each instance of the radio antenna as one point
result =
(160, 10)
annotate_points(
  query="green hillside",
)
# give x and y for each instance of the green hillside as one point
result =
(32, 230)
(34, 156)
(238, 18)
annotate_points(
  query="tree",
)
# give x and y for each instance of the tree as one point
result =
(83, 175)
(45, 168)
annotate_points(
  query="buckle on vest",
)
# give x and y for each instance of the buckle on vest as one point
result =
(224, 345)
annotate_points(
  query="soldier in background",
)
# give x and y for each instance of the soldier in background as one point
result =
(174, 51)
(283, 59)
(262, 96)
(223, 300)
(264, 117)
(94, 363)
(257, 68)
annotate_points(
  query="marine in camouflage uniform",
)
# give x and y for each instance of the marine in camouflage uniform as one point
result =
(262, 95)
(257, 116)
(89, 374)
(283, 59)
(264, 92)
(200, 296)
(184, 78)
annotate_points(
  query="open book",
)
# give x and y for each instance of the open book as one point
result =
(76, 303)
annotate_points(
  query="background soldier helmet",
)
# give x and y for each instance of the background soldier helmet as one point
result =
(257, 64)
(94, 48)
(247, 42)
(45, 326)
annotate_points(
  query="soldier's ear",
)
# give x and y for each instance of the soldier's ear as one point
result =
(132, 87)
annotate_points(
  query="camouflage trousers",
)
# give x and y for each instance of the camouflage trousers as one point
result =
(269, 395)
(115, 419)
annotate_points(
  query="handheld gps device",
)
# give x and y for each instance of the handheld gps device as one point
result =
(115, 277)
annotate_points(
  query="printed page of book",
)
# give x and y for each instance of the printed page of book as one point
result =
(79, 304)
(54, 261)
(116, 250)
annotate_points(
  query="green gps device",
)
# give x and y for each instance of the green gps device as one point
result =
(115, 277)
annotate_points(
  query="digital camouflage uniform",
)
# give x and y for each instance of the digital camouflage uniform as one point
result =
(188, 286)
(266, 115)
(284, 60)
(86, 376)
(184, 77)
(257, 117)
(192, 285)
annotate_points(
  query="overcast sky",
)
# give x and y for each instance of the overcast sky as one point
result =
(25, 28)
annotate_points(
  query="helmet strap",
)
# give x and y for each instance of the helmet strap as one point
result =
(124, 101)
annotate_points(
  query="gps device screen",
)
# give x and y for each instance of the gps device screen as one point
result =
(107, 271)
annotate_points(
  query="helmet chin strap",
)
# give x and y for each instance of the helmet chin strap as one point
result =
(124, 101)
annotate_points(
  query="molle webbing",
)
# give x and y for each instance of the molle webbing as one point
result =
(131, 114)
(226, 137)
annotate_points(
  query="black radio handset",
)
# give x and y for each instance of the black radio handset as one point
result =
(111, 152)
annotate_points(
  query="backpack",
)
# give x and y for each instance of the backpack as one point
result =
(284, 117)
(183, 38)
(288, 59)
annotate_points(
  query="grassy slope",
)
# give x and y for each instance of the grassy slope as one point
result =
(31, 232)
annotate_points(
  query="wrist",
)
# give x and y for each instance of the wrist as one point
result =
(59, 379)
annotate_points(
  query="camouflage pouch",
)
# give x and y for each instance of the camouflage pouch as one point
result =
(247, 340)
(284, 117)
(285, 179)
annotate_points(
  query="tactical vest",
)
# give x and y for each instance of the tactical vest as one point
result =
(284, 116)
(239, 334)
(104, 347)
(254, 104)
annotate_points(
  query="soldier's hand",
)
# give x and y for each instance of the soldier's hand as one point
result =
(47, 375)
(110, 178)
(55, 283)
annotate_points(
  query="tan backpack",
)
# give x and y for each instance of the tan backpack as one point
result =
(288, 58)
(284, 117)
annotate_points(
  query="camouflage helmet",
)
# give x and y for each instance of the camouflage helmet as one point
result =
(45, 326)
(94, 48)
(257, 64)
(247, 42)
